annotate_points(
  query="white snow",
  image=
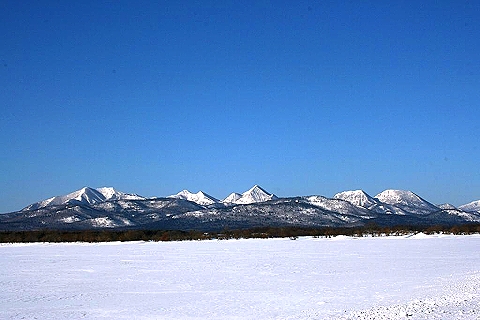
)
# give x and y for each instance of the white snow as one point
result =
(200, 197)
(102, 222)
(447, 206)
(416, 277)
(232, 198)
(108, 192)
(111, 193)
(406, 199)
(70, 219)
(471, 206)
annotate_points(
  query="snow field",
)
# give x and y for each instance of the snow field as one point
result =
(461, 302)
(418, 277)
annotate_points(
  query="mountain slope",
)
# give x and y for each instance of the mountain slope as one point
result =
(254, 195)
(407, 201)
(473, 206)
(232, 198)
(111, 193)
(278, 212)
(357, 197)
(447, 206)
(85, 195)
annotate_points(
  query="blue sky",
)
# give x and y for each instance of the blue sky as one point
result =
(300, 97)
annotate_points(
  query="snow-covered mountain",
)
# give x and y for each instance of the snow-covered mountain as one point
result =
(106, 207)
(200, 197)
(339, 205)
(87, 196)
(253, 195)
(362, 199)
(473, 206)
(357, 197)
(232, 198)
(406, 200)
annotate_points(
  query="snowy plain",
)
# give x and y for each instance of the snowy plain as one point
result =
(404, 277)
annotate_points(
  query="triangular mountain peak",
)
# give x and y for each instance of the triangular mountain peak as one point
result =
(256, 189)
(255, 194)
(86, 195)
(232, 197)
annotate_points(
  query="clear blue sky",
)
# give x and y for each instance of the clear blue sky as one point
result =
(300, 97)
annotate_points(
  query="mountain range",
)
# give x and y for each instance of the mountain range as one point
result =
(90, 208)
(253, 195)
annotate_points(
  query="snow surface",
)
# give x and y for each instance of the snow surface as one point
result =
(415, 277)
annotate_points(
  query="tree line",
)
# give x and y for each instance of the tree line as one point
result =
(263, 232)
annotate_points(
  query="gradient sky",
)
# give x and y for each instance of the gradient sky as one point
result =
(300, 97)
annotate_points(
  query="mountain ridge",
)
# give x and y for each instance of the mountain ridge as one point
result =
(200, 197)
(106, 207)
(399, 198)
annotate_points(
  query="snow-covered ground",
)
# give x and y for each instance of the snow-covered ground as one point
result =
(417, 277)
